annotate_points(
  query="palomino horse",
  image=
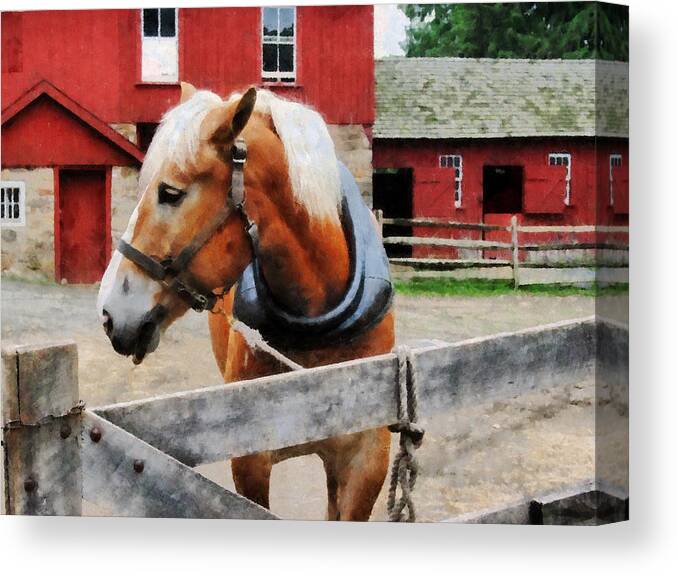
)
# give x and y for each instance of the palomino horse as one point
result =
(193, 234)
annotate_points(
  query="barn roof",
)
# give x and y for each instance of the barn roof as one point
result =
(486, 98)
(45, 89)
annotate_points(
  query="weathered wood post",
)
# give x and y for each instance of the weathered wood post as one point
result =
(41, 430)
(515, 252)
(379, 215)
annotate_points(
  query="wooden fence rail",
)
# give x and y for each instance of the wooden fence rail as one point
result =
(514, 246)
(136, 458)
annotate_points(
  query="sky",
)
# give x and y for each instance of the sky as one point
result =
(389, 30)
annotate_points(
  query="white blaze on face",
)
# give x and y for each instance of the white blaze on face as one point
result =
(126, 294)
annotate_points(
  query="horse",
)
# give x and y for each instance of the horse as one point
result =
(193, 235)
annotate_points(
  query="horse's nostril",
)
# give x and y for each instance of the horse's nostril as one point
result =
(108, 323)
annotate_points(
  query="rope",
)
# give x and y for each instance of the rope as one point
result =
(405, 467)
(255, 340)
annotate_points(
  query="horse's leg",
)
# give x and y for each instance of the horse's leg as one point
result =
(356, 467)
(220, 329)
(252, 476)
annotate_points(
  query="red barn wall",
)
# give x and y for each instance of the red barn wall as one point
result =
(433, 187)
(94, 57)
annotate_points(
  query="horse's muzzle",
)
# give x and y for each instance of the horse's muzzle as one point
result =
(138, 340)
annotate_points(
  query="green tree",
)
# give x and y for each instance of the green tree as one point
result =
(518, 30)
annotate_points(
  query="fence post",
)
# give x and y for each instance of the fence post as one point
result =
(41, 416)
(515, 252)
(379, 215)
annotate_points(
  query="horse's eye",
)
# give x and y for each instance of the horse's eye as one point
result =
(169, 195)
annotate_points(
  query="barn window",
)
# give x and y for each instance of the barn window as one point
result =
(159, 45)
(12, 203)
(457, 163)
(278, 35)
(615, 162)
(563, 159)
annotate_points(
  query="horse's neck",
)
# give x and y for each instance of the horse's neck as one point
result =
(305, 262)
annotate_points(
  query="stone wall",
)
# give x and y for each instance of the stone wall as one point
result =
(124, 183)
(28, 250)
(126, 130)
(354, 149)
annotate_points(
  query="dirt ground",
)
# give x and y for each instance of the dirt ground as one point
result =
(472, 458)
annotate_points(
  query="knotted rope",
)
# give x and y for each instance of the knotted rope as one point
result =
(405, 468)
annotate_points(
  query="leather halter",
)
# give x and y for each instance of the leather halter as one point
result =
(170, 272)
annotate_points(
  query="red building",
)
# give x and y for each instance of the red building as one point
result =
(82, 92)
(479, 140)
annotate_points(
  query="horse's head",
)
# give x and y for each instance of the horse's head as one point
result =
(184, 182)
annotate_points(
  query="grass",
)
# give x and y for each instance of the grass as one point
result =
(484, 288)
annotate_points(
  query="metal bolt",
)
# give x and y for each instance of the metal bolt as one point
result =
(65, 430)
(30, 485)
(138, 465)
(95, 434)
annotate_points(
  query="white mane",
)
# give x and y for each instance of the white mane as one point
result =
(311, 158)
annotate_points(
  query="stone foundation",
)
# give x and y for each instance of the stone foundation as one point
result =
(126, 130)
(124, 184)
(354, 149)
(28, 250)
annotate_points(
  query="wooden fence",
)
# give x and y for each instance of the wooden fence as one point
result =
(137, 458)
(513, 247)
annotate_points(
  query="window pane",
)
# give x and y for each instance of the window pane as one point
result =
(16, 211)
(457, 161)
(287, 21)
(150, 21)
(168, 25)
(286, 55)
(270, 21)
(2, 191)
(457, 173)
(566, 160)
(270, 57)
(16, 195)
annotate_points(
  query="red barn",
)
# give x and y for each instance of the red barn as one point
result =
(479, 140)
(82, 93)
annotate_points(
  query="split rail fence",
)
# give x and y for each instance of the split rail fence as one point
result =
(514, 247)
(137, 458)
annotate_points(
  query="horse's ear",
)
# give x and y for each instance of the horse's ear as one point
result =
(187, 91)
(243, 111)
(224, 125)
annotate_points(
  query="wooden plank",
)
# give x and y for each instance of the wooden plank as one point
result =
(43, 469)
(573, 246)
(132, 479)
(470, 371)
(216, 423)
(425, 263)
(446, 242)
(573, 264)
(441, 223)
(219, 422)
(572, 229)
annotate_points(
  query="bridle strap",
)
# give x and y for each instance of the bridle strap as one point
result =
(169, 271)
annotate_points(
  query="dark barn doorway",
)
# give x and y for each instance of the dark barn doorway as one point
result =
(502, 189)
(392, 193)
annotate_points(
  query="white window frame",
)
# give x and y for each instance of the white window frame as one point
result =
(558, 159)
(11, 222)
(613, 158)
(456, 162)
(158, 40)
(274, 77)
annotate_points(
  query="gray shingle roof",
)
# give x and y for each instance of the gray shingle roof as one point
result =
(486, 98)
